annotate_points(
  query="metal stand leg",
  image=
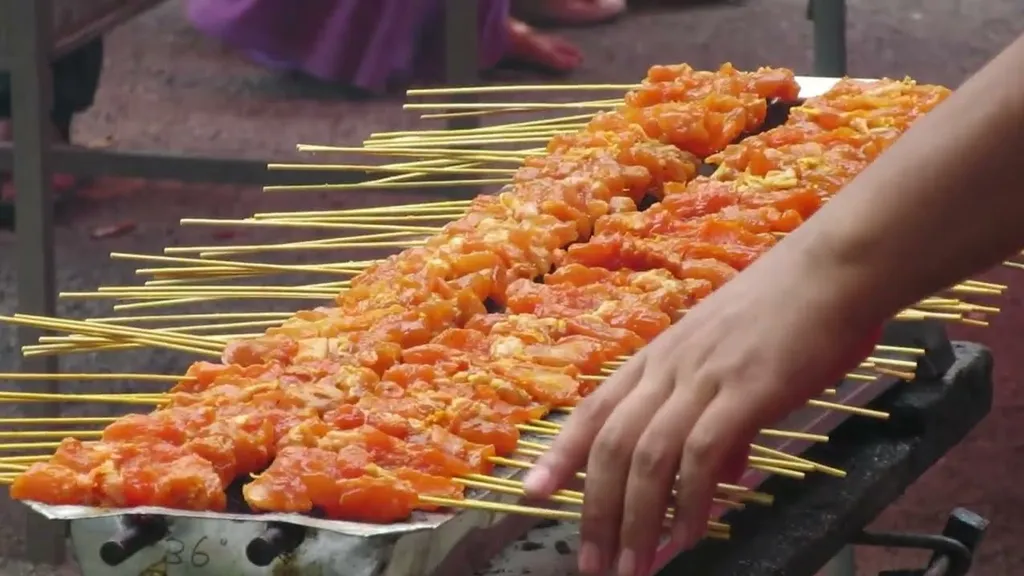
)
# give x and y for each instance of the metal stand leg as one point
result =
(462, 54)
(462, 66)
(844, 564)
(31, 98)
(829, 18)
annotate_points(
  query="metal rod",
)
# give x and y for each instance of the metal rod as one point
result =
(462, 52)
(462, 64)
(31, 99)
(137, 532)
(829, 19)
(277, 540)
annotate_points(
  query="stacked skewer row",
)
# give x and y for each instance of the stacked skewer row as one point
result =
(429, 367)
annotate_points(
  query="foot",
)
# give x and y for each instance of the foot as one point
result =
(551, 53)
(568, 12)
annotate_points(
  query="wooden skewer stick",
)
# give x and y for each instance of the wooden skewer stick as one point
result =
(192, 344)
(188, 330)
(231, 264)
(174, 301)
(575, 494)
(450, 153)
(64, 420)
(518, 88)
(28, 446)
(384, 211)
(30, 377)
(740, 492)
(388, 238)
(162, 318)
(371, 168)
(1000, 287)
(186, 279)
(26, 459)
(901, 350)
(966, 289)
(476, 106)
(144, 400)
(385, 186)
(563, 499)
(491, 140)
(516, 135)
(551, 431)
(752, 460)
(436, 217)
(289, 224)
(855, 410)
(908, 376)
(30, 434)
(783, 455)
(892, 362)
(501, 508)
(479, 113)
(576, 120)
(186, 289)
(216, 294)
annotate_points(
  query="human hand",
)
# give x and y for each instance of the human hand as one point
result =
(682, 412)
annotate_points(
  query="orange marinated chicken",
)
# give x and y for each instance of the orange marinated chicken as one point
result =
(678, 83)
(368, 408)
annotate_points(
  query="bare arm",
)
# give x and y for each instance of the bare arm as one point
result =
(946, 201)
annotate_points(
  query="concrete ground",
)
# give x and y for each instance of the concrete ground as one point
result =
(167, 88)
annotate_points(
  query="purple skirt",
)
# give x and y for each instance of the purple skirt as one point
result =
(367, 44)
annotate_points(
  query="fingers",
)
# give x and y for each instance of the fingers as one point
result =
(609, 467)
(571, 447)
(728, 423)
(655, 463)
(735, 465)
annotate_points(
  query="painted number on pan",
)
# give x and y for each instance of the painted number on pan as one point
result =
(196, 555)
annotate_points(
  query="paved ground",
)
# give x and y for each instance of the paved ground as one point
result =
(167, 88)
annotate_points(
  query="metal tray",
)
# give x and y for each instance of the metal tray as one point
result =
(200, 543)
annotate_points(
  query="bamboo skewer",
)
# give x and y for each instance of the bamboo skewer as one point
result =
(191, 317)
(150, 337)
(388, 238)
(42, 377)
(449, 153)
(326, 226)
(479, 106)
(457, 90)
(372, 168)
(576, 120)
(385, 186)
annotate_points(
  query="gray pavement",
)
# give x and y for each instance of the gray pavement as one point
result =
(167, 88)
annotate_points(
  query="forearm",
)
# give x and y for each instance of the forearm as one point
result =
(946, 201)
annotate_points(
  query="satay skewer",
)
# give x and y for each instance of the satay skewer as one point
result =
(505, 88)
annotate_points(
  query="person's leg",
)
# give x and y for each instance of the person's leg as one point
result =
(76, 79)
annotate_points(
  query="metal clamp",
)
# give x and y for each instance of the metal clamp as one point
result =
(953, 550)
